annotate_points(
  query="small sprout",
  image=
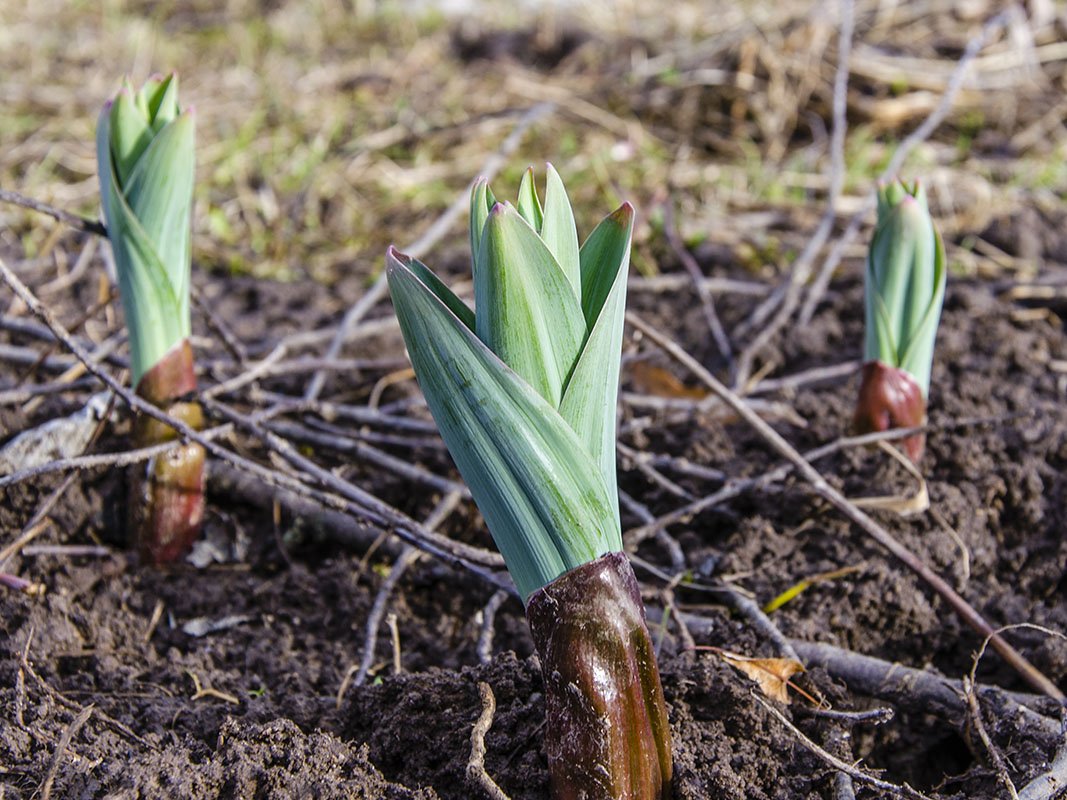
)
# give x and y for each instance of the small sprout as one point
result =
(145, 155)
(524, 392)
(904, 291)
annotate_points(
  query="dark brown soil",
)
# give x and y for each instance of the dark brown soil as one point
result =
(265, 723)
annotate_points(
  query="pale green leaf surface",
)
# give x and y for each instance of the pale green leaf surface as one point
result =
(528, 204)
(154, 316)
(905, 283)
(885, 343)
(607, 247)
(482, 200)
(559, 231)
(142, 95)
(160, 194)
(543, 500)
(921, 273)
(129, 133)
(590, 399)
(891, 262)
(918, 358)
(526, 311)
(163, 103)
(435, 285)
(105, 165)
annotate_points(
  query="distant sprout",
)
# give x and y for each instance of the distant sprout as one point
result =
(524, 392)
(904, 291)
(145, 156)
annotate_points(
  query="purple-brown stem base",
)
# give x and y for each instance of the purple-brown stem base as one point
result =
(166, 499)
(889, 398)
(606, 734)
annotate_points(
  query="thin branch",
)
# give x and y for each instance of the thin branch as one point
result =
(122, 459)
(707, 301)
(979, 726)
(79, 223)
(476, 773)
(408, 556)
(61, 750)
(835, 762)
(341, 443)
(368, 505)
(485, 635)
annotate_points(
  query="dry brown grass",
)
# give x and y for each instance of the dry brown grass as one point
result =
(328, 130)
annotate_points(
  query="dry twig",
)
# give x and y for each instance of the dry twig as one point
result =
(707, 301)
(485, 635)
(61, 750)
(835, 762)
(476, 774)
(58, 214)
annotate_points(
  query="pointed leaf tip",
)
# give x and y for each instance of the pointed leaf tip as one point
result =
(624, 213)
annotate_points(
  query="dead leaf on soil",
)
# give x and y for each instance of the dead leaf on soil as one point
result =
(659, 382)
(771, 674)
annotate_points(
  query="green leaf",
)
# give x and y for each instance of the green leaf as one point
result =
(921, 274)
(590, 398)
(482, 200)
(129, 133)
(918, 358)
(435, 285)
(153, 312)
(905, 282)
(528, 204)
(543, 500)
(881, 342)
(607, 247)
(147, 212)
(526, 311)
(160, 194)
(558, 229)
(890, 262)
(163, 103)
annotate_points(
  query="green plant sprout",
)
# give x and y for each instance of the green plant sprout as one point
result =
(524, 392)
(903, 292)
(145, 156)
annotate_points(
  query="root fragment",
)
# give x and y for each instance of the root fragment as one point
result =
(476, 774)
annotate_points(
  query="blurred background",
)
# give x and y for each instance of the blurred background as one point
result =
(329, 129)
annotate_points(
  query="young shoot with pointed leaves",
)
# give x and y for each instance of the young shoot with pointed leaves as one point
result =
(904, 290)
(145, 156)
(524, 391)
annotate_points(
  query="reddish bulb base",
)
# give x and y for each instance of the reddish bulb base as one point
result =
(166, 498)
(606, 734)
(889, 398)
